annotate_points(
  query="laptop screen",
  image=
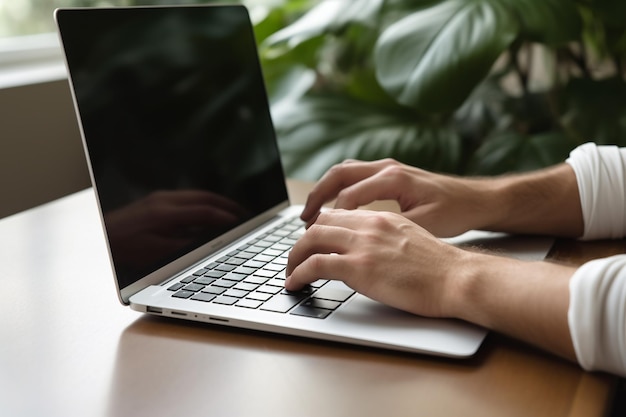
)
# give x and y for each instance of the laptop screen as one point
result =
(176, 124)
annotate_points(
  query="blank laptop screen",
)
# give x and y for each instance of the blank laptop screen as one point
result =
(176, 123)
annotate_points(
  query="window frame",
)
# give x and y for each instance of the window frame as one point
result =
(30, 59)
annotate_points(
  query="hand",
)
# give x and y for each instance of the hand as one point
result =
(379, 254)
(444, 205)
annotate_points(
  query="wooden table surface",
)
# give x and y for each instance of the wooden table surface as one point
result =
(70, 349)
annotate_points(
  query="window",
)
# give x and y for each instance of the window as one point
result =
(29, 47)
(28, 17)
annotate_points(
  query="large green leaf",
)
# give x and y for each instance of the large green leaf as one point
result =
(319, 131)
(432, 60)
(553, 22)
(327, 16)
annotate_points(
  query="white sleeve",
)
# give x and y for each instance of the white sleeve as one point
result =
(597, 310)
(601, 176)
(597, 315)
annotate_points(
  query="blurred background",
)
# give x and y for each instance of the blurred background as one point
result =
(475, 87)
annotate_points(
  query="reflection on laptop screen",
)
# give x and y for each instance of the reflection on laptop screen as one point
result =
(175, 119)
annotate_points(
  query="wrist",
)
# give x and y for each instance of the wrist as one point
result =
(479, 284)
(463, 289)
(544, 202)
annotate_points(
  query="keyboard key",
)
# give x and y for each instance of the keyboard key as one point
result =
(246, 255)
(254, 264)
(214, 290)
(235, 261)
(265, 273)
(188, 279)
(263, 258)
(215, 274)
(281, 247)
(236, 293)
(233, 276)
(248, 303)
(255, 249)
(270, 289)
(264, 243)
(272, 252)
(276, 282)
(274, 266)
(319, 283)
(306, 291)
(222, 299)
(256, 280)
(281, 260)
(244, 270)
(297, 234)
(282, 303)
(319, 303)
(317, 313)
(194, 287)
(224, 267)
(203, 296)
(244, 286)
(204, 281)
(183, 294)
(224, 283)
(176, 287)
(260, 296)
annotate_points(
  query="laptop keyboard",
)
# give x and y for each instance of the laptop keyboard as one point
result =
(253, 276)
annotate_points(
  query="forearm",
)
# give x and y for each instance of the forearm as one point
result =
(543, 202)
(525, 300)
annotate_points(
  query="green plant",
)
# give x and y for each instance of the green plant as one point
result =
(461, 86)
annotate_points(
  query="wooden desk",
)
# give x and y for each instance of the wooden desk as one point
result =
(70, 349)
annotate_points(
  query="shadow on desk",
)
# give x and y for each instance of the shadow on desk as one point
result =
(172, 367)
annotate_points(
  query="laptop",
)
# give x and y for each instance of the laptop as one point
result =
(187, 174)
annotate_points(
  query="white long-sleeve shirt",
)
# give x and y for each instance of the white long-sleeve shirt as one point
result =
(597, 311)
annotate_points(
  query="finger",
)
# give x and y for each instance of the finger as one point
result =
(319, 266)
(317, 239)
(351, 220)
(383, 185)
(336, 179)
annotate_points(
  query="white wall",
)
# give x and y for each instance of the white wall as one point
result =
(41, 154)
